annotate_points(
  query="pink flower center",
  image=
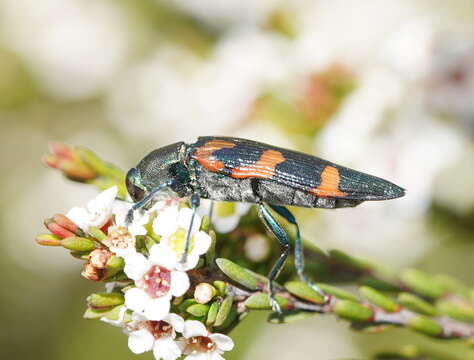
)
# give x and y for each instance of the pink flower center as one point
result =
(157, 281)
(159, 329)
(199, 344)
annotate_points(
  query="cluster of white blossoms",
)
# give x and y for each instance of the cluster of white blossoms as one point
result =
(158, 276)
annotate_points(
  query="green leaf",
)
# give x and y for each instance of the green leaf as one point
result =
(337, 292)
(422, 283)
(221, 287)
(461, 311)
(379, 299)
(238, 274)
(303, 291)
(198, 310)
(425, 325)
(105, 300)
(261, 301)
(114, 265)
(416, 304)
(96, 233)
(353, 311)
(212, 313)
(224, 311)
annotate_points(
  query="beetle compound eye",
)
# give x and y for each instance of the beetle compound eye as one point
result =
(135, 192)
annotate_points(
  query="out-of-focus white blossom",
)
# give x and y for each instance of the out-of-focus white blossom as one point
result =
(225, 215)
(74, 47)
(227, 13)
(176, 91)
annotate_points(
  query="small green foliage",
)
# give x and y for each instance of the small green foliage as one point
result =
(76, 243)
(462, 311)
(353, 311)
(416, 304)
(425, 325)
(422, 283)
(198, 310)
(238, 274)
(224, 311)
(303, 291)
(379, 299)
(212, 313)
(337, 292)
(105, 300)
(97, 234)
(221, 287)
(353, 262)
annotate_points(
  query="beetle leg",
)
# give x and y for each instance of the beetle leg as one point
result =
(299, 256)
(281, 235)
(142, 203)
(195, 200)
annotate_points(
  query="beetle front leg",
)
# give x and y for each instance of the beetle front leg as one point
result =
(299, 256)
(281, 235)
(195, 201)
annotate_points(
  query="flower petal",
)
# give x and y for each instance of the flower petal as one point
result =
(166, 349)
(194, 328)
(176, 321)
(136, 265)
(136, 299)
(162, 255)
(226, 224)
(157, 309)
(222, 341)
(202, 242)
(190, 263)
(184, 219)
(197, 356)
(216, 356)
(79, 216)
(140, 341)
(166, 223)
(179, 283)
(104, 200)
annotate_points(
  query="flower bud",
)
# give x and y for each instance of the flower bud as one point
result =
(204, 292)
(48, 240)
(57, 230)
(76, 243)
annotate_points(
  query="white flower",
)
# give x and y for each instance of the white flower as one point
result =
(225, 215)
(156, 279)
(200, 344)
(173, 224)
(145, 335)
(97, 212)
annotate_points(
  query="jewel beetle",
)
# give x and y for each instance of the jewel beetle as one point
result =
(233, 169)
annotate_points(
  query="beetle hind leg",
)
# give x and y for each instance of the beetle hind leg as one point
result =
(299, 256)
(282, 237)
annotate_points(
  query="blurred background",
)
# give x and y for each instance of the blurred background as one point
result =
(385, 87)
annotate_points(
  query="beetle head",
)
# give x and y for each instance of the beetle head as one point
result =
(163, 169)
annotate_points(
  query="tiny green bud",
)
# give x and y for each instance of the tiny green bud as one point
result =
(105, 300)
(113, 266)
(76, 243)
(463, 311)
(96, 233)
(221, 287)
(353, 311)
